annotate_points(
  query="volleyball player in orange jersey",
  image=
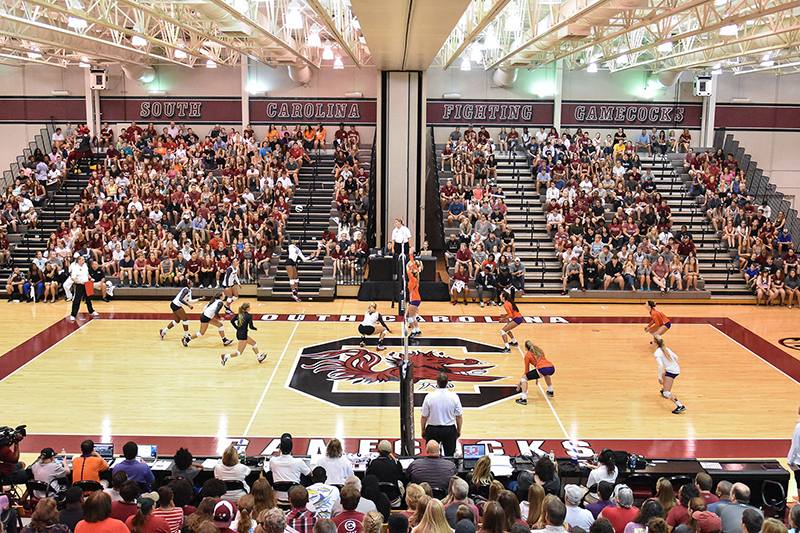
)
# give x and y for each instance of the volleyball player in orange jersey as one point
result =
(413, 269)
(659, 323)
(510, 313)
(535, 358)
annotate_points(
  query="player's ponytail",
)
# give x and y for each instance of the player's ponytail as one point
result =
(244, 308)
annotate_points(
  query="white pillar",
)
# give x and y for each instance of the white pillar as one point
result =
(245, 94)
(710, 108)
(559, 83)
(97, 119)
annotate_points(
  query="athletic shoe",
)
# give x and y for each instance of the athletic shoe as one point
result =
(482, 304)
(296, 298)
(71, 318)
(228, 310)
(95, 314)
(381, 347)
(513, 343)
(521, 401)
(227, 342)
(262, 357)
(162, 333)
(225, 358)
(550, 393)
(185, 341)
(505, 350)
(362, 344)
(678, 410)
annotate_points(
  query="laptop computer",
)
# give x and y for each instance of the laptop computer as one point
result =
(148, 452)
(473, 452)
(105, 450)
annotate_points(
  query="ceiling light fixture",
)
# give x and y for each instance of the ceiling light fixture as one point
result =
(76, 23)
(84, 64)
(465, 65)
(729, 30)
(717, 66)
(768, 63)
(338, 64)
(211, 64)
(314, 40)
(592, 68)
(180, 54)
(85, 59)
(294, 19)
(622, 59)
(327, 53)
(34, 55)
(716, 71)
(665, 48)
(490, 42)
(513, 21)
(138, 40)
(475, 54)
(356, 23)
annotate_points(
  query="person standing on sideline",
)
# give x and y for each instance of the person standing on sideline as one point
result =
(79, 274)
(442, 416)
(659, 323)
(794, 455)
(401, 243)
(668, 371)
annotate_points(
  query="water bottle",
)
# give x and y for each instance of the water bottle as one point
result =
(552, 456)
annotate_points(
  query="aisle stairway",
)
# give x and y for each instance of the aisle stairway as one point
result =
(527, 219)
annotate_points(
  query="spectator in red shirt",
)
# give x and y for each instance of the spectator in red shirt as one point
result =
(349, 520)
(624, 511)
(680, 513)
(298, 517)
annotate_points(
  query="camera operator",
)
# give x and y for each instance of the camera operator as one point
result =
(12, 471)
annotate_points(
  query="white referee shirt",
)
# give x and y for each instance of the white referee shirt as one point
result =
(79, 273)
(401, 235)
(441, 407)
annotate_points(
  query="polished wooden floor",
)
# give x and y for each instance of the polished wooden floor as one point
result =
(113, 377)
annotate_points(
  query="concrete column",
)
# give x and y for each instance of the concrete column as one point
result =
(559, 83)
(245, 94)
(401, 153)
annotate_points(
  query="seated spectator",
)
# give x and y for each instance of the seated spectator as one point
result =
(172, 515)
(72, 513)
(731, 513)
(97, 516)
(322, 497)
(126, 506)
(459, 285)
(555, 515)
(88, 465)
(144, 521)
(431, 468)
(460, 491)
(573, 276)
(623, 512)
(233, 473)
(650, 509)
(613, 273)
(183, 465)
(604, 492)
(49, 470)
(137, 471)
(285, 467)
(364, 504)
(576, 516)
(349, 520)
(373, 521)
(337, 467)
(752, 521)
(299, 517)
(398, 523)
(45, 519)
(605, 470)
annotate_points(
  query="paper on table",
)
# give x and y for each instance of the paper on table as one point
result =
(405, 463)
(210, 463)
(161, 464)
(501, 465)
(707, 465)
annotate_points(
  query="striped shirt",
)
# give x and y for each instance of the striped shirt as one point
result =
(173, 517)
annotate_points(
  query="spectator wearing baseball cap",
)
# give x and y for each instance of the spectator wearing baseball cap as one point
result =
(286, 468)
(47, 469)
(224, 511)
(576, 516)
(144, 521)
(388, 470)
(707, 521)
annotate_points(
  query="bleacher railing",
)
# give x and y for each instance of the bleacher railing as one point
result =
(436, 221)
(373, 209)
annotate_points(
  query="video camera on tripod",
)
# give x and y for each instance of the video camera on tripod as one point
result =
(10, 436)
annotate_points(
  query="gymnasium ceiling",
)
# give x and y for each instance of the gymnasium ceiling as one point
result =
(662, 36)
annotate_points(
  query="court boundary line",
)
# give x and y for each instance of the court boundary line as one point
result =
(35, 357)
(547, 399)
(271, 378)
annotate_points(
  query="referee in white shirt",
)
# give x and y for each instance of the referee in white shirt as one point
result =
(79, 273)
(442, 416)
(401, 238)
(794, 455)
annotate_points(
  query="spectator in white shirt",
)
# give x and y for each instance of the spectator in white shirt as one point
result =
(286, 468)
(606, 470)
(230, 469)
(794, 454)
(337, 467)
(576, 516)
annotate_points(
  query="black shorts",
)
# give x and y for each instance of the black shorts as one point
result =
(366, 330)
(241, 334)
(289, 262)
(204, 319)
(174, 307)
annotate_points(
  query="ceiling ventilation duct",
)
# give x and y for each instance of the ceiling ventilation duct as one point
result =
(140, 73)
(668, 78)
(504, 77)
(300, 74)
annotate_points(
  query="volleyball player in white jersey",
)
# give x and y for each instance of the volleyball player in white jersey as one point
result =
(231, 284)
(295, 255)
(210, 315)
(370, 326)
(184, 297)
(668, 371)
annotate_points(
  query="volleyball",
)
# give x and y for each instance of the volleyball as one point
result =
(298, 208)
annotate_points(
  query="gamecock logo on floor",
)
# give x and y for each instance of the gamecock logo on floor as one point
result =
(343, 374)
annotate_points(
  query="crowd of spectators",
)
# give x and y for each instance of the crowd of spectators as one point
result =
(428, 496)
(611, 225)
(164, 207)
(764, 249)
